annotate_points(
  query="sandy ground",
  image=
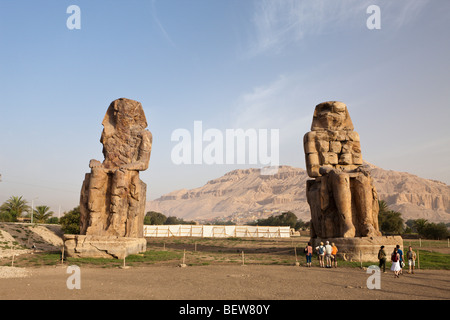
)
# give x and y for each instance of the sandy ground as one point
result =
(252, 282)
(210, 282)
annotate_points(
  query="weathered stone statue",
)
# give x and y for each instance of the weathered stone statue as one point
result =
(342, 197)
(112, 201)
(343, 200)
(113, 197)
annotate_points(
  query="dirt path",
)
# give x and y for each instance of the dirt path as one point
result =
(214, 282)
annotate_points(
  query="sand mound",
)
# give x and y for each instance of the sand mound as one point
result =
(47, 235)
(9, 246)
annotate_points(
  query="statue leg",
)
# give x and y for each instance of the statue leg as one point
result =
(133, 209)
(340, 183)
(328, 215)
(375, 210)
(119, 203)
(363, 195)
(313, 198)
(96, 201)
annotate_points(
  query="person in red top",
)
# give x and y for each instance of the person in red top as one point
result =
(395, 258)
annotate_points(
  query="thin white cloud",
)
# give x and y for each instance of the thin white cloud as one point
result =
(159, 24)
(398, 14)
(282, 104)
(255, 109)
(278, 24)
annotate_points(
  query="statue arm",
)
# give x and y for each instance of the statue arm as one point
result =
(311, 154)
(145, 150)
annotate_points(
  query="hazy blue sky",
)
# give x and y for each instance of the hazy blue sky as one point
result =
(228, 63)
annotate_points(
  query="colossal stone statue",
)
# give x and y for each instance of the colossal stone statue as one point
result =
(342, 198)
(112, 201)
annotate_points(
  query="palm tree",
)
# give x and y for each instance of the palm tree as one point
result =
(383, 206)
(14, 207)
(420, 225)
(390, 221)
(42, 213)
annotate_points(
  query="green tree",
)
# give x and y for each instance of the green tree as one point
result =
(288, 219)
(41, 214)
(389, 221)
(154, 218)
(410, 226)
(300, 224)
(383, 206)
(52, 220)
(435, 231)
(70, 221)
(222, 223)
(419, 225)
(285, 219)
(13, 208)
(431, 230)
(174, 220)
(5, 216)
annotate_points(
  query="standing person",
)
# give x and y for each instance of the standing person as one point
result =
(308, 253)
(334, 254)
(328, 250)
(321, 253)
(402, 263)
(411, 255)
(382, 259)
(395, 258)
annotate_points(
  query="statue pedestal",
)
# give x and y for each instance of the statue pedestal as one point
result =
(362, 248)
(83, 246)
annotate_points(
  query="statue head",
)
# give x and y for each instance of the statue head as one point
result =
(331, 115)
(124, 124)
(124, 115)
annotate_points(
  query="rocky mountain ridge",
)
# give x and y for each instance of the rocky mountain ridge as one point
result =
(243, 195)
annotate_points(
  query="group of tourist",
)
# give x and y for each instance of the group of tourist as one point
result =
(397, 260)
(327, 255)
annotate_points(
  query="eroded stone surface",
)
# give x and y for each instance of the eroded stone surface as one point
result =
(81, 246)
(342, 198)
(112, 201)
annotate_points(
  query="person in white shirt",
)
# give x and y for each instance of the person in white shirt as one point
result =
(328, 250)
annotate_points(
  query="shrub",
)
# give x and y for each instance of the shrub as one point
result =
(70, 222)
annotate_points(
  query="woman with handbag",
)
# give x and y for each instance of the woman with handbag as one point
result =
(395, 258)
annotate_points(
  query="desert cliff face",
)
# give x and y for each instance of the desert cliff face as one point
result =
(245, 195)
(413, 196)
